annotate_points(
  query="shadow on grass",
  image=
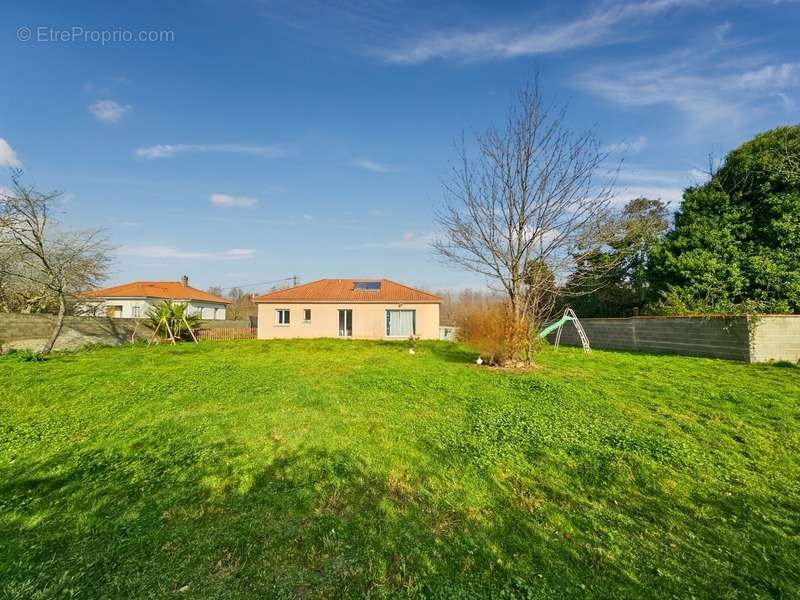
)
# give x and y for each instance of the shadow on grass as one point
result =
(162, 517)
(453, 352)
(170, 514)
(783, 364)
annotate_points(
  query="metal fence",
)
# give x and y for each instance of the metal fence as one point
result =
(227, 333)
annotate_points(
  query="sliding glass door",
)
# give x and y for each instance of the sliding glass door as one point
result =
(345, 322)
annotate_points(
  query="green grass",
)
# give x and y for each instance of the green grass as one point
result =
(329, 468)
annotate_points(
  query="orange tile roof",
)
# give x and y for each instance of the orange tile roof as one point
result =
(342, 290)
(168, 290)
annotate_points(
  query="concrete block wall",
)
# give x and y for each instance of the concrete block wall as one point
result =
(776, 337)
(760, 339)
(29, 332)
(21, 331)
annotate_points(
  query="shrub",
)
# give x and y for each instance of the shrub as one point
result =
(26, 356)
(487, 330)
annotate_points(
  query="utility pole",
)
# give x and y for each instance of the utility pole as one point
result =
(294, 280)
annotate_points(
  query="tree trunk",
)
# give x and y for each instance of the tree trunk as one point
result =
(517, 351)
(62, 309)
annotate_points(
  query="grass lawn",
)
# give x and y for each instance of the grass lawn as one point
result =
(329, 468)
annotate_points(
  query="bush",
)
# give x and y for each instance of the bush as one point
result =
(487, 330)
(26, 356)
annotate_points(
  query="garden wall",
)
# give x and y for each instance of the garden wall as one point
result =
(29, 332)
(775, 337)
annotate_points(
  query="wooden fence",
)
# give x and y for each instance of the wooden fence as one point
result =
(227, 333)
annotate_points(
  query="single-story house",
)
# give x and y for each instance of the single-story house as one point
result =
(372, 309)
(133, 300)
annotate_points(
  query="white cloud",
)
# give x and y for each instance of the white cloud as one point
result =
(721, 31)
(373, 166)
(609, 24)
(635, 181)
(641, 174)
(109, 111)
(633, 146)
(173, 252)
(8, 158)
(170, 150)
(696, 84)
(229, 201)
(769, 77)
(409, 240)
(237, 253)
(673, 195)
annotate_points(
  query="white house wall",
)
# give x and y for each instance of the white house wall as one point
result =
(210, 311)
(136, 308)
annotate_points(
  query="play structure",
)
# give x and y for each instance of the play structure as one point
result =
(568, 316)
(170, 335)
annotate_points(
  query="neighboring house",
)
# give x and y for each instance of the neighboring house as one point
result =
(360, 308)
(133, 300)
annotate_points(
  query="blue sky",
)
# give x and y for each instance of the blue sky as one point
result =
(258, 140)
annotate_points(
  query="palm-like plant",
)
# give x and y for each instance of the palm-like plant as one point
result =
(176, 316)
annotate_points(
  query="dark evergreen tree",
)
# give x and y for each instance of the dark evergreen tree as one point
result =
(735, 246)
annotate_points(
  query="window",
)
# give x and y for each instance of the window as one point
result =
(135, 311)
(307, 315)
(114, 311)
(282, 316)
(367, 286)
(401, 323)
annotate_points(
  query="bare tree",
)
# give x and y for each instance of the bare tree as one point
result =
(532, 200)
(458, 306)
(52, 262)
(242, 305)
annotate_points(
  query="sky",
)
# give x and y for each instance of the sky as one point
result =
(244, 141)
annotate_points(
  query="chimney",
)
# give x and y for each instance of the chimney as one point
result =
(184, 281)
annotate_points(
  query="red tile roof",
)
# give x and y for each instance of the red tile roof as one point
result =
(167, 290)
(343, 290)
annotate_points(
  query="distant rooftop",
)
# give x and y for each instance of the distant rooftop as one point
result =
(166, 290)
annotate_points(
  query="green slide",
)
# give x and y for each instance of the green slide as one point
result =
(552, 327)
